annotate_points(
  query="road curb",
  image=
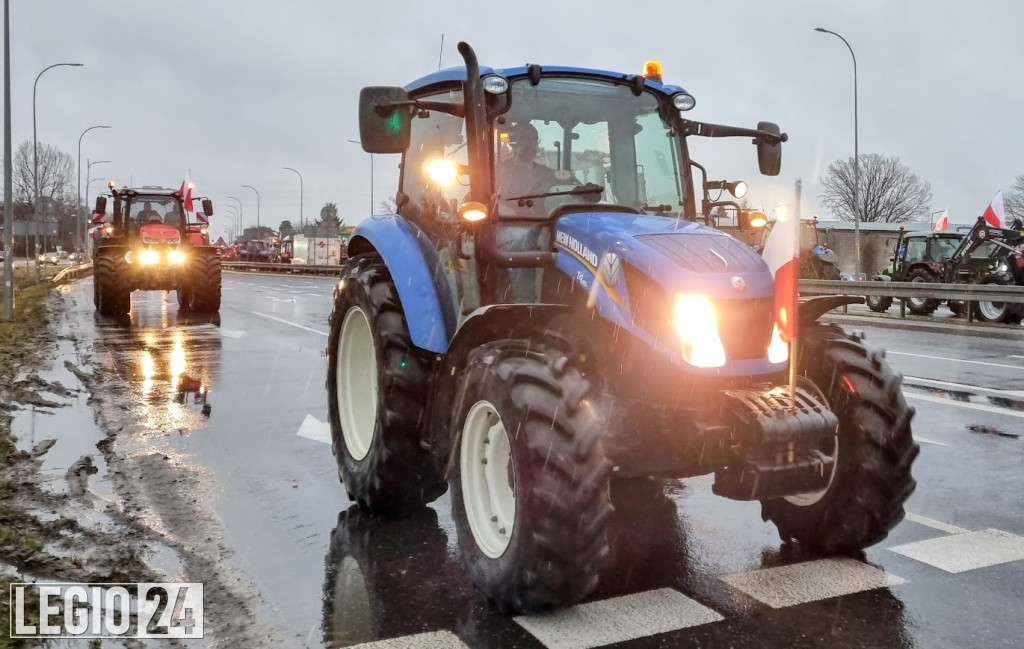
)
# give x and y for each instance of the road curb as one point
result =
(1001, 332)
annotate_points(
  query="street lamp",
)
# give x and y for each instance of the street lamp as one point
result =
(78, 178)
(302, 222)
(88, 173)
(35, 156)
(235, 218)
(371, 174)
(856, 152)
(257, 206)
(241, 213)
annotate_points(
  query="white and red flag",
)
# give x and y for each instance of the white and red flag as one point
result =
(782, 254)
(186, 192)
(994, 214)
(943, 223)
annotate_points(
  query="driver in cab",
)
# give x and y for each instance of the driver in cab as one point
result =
(519, 173)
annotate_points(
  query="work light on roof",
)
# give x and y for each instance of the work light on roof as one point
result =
(495, 84)
(652, 70)
(683, 101)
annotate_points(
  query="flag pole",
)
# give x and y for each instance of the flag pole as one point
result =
(795, 319)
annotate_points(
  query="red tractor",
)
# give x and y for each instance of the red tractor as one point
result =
(149, 244)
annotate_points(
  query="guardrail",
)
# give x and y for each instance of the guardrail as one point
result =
(899, 290)
(72, 273)
(304, 269)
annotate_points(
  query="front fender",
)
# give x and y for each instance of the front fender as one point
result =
(418, 275)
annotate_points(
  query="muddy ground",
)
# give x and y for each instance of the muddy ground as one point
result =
(85, 497)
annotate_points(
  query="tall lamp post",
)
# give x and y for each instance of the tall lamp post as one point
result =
(35, 156)
(78, 177)
(88, 174)
(371, 175)
(234, 219)
(856, 156)
(257, 205)
(8, 290)
(241, 214)
(302, 222)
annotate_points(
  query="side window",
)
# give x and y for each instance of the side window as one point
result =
(916, 250)
(438, 141)
(657, 173)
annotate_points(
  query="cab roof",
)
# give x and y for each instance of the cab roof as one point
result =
(450, 75)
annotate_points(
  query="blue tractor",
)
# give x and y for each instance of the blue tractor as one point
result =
(547, 312)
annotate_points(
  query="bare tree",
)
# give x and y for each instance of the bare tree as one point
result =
(1013, 202)
(56, 173)
(889, 192)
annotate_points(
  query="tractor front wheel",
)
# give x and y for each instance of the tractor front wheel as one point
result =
(113, 292)
(530, 487)
(872, 453)
(879, 303)
(922, 305)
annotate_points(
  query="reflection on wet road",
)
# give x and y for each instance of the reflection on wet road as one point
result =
(687, 568)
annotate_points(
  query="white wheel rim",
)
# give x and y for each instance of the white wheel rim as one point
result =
(991, 310)
(488, 479)
(918, 301)
(356, 376)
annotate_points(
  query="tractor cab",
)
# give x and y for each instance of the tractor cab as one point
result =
(926, 249)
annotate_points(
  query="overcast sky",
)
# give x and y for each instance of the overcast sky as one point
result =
(234, 90)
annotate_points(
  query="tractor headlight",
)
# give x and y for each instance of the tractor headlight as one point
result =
(176, 257)
(696, 325)
(778, 350)
(149, 257)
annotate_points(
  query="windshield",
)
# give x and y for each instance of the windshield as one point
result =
(944, 247)
(155, 209)
(566, 134)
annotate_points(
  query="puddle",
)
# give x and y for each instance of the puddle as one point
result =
(991, 430)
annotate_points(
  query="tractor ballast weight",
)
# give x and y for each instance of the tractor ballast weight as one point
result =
(143, 248)
(547, 307)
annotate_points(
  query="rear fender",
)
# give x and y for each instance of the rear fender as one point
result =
(813, 308)
(486, 324)
(418, 276)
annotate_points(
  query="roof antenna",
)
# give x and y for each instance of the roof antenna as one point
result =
(440, 54)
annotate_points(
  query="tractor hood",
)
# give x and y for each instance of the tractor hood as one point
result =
(681, 256)
(159, 233)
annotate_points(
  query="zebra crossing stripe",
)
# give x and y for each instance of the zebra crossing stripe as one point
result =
(618, 619)
(966, 551)
(432, 640)
(810, 581)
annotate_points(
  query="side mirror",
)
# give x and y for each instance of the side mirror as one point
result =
(384, 129)
(207, 207)
(101, 205)
(769, 155)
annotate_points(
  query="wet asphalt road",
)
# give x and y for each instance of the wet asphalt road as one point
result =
(688, 568)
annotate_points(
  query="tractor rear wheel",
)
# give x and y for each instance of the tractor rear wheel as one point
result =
(201, 286)
(922, 305)
(113, 292)
(377, 385)
(873, 452)
(998, 311)
(530, 487)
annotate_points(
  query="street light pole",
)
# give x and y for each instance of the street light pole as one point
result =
(88, 173)
(241, 213)
(257, 206)
(371, 175)
(78, 177)
(8, 208)
(35, 158)
(856, 152)
(302, 222)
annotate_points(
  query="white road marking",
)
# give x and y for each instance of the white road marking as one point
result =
(969, 551)
(228, 333)
(289, 323)
(618, 619)
(925, 440)
(1015, 356)
(934, 524)
(965, 387)
(432, 640)
(956, 360)
(314, 429)
(960, 404)
(810, 581)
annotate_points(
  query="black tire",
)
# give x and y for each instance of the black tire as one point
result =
(558, 475)
(922, 306)
(872, 476)
(879, 303)
(184, 295)
(397, 472)
(998, 311)
(957, 307)
(202, 285)
(828, 270)
(113, 293)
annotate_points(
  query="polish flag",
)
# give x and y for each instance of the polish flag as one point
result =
(994, 214)
(943, 223)
(782, 254)
(186, 192)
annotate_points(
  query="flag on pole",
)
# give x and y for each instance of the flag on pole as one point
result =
(994, 214)
(943, 223)
(186, 192)
(782, 254)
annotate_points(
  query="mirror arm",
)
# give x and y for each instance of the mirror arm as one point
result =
(385, 108)
(703, 129)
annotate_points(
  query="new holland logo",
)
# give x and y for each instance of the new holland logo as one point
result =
(573, 245)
